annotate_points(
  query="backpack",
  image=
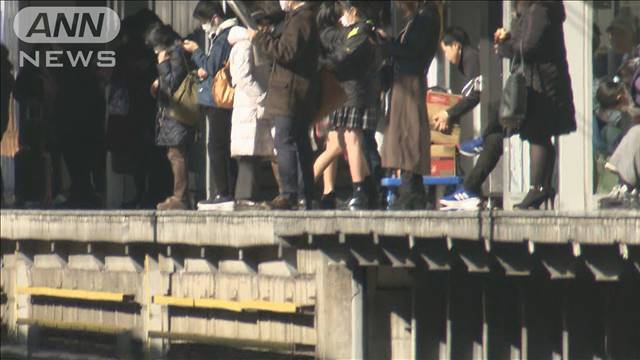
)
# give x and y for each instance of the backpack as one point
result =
(222, 89)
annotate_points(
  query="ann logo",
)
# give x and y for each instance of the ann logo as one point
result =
(66, 24)
(41, 25)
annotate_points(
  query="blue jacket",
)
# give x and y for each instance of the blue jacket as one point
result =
(212, 63)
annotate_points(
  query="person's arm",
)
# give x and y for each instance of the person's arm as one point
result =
(241, 68)
(528, 39)
(424, 25)
(285, 49)
(199, 58)
(471, 90)
(171, 73)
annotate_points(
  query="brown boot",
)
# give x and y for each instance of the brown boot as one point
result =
(178, 201)
(282, 202)
(172, 203)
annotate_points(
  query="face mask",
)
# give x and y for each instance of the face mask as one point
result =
(207, 28)
(285, 5)
(344, 21)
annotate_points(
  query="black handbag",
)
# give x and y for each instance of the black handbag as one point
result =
(513, 105)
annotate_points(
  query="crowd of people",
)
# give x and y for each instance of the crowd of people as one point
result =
(312, 82)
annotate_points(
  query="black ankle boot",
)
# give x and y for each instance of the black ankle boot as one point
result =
(328, 201)
(359, 199)
(536, 196)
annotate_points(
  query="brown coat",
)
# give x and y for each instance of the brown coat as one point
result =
(294, 82)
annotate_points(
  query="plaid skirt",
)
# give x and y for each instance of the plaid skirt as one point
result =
(355, 118)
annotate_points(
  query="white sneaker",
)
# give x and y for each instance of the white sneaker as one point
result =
(222, 206)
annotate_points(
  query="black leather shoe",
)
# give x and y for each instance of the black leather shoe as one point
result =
(359, 200)
(328, 201)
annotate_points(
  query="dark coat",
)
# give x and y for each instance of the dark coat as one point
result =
(537, 29)
(213, 62)
(354, 62)
(469, 67)
(414, 49)
(171, 73)
(294, 82)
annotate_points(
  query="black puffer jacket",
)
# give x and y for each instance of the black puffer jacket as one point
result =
(171, 73)
(537, 33)
(354, 62)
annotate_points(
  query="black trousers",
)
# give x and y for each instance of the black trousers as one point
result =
(491, 153)
(293, 149)
(223, 170)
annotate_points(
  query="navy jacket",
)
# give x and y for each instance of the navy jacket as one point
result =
(212, 63)
(171, 73)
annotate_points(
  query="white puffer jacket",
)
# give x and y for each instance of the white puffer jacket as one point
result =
(250, 133)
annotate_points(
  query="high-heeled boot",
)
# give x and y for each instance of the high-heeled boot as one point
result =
(536, 196)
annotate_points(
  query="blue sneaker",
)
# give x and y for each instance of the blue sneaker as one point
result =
(472, 147)
(460, 199)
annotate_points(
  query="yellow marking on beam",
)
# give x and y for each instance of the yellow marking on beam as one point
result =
(218, 304)
(270, 306)
(75, 326)
(230, 305)
(73, 294)
(173, 301)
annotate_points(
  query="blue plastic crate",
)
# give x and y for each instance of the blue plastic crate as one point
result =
(426, 180)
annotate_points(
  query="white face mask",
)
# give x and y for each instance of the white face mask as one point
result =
(207, 28)
(285, 5)
(344, 21)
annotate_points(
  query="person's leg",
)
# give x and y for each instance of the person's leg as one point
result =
(221, 164)
(285, 144)
(493, 127)
(177, 158)
(305, 158)
(246, 178)
(329, 178)
(370, 147)
(542, 154)
(625, 160)
(489, 157)
(333, 149)
(357, 163)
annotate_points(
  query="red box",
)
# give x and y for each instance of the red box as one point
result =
(443, 166)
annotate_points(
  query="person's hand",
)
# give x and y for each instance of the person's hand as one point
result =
(441, 121)
(154, 88)
(189, 46)
(501, 35)
(202, 73)
(382, 33)
(251, 33)
(163, 56)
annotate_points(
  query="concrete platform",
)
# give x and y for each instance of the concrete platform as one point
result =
(244, 229)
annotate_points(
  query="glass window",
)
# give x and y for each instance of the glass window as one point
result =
(616, 35)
